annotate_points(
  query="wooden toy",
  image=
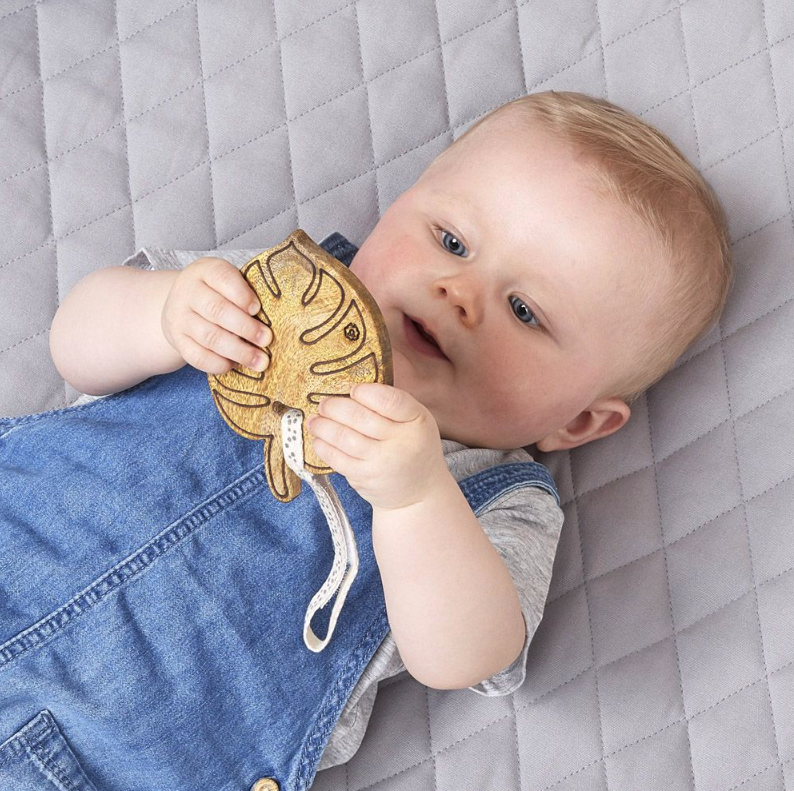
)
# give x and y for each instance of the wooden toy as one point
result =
(328, 334)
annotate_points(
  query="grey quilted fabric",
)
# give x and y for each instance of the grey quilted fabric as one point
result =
(666, 655)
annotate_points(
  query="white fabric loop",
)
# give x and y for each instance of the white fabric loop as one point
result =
(345, 550)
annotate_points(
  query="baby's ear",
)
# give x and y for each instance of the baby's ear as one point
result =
(602, 418)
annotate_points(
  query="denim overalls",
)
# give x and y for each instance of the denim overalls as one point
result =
(152, 594)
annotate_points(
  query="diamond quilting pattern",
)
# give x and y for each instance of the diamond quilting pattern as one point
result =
(666, 649)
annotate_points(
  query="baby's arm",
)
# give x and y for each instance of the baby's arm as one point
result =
(452, 605)
(121, 325)
(451, 602)
(106, 334)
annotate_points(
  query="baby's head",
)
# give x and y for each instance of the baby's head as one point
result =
(563, 254)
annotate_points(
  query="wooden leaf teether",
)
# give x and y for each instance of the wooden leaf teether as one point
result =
(328, 334)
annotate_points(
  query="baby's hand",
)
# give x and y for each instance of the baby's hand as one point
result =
(207, 314)
(385, 442)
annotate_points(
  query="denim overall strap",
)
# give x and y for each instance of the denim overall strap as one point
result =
(483, 488)
(339, 247)
(152, 594)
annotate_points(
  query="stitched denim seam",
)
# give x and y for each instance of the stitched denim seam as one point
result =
(12, 422)
(484, 478)
(335, 699)
(43, 757)
(16, 744)
(513, 487)
(130, 568)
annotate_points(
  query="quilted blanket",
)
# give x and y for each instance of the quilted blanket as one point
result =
(665, 659)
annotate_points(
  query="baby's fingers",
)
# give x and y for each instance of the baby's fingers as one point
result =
(216, 309)
(220, 343)
(227, 280)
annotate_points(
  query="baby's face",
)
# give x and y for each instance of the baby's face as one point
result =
(528, 280)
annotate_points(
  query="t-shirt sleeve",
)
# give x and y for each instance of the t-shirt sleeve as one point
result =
(155, 258)
(524, 527)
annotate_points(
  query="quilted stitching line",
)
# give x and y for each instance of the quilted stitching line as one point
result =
(206, 128)
(684, 447)
(246, 57)
(203, 162)
(589, 624)
(748, 145)
(377, 76)
(123, 115)
(24, 340)
(443, 66)
(256, 52)
(760, 772)
(735, 441)
(369, 106)
(684, 628)
(294, 204)
(766, 224)
(49, 176)
(315, 21)
(675, 541)
(733, 65)
(430, 738)
(20, 10)
(74, 65)
(777, 108)
(146, 27)
(610, 754)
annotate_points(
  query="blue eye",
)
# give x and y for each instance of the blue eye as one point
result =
(455, 245)
(524, 311)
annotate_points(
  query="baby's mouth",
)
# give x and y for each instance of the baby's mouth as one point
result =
(422, 332)
(420, 339)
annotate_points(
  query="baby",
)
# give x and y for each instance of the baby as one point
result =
(543, 271)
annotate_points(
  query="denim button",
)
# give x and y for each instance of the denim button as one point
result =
(265, 784)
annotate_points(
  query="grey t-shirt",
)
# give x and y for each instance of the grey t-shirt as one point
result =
(523, 525)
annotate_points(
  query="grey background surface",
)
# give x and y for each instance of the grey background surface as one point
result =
(666, 655)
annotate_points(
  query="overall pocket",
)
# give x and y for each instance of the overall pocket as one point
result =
(38, 758)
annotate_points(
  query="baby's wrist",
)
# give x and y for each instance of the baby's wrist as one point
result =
(432, 497)
(157, 350)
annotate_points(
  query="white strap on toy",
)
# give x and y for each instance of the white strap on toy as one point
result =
(345, 552)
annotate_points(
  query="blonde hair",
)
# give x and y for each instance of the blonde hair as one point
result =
(635, 164)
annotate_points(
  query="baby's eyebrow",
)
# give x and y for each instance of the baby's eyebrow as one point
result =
(455, 198)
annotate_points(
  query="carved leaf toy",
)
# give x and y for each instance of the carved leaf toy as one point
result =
(328, 334)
